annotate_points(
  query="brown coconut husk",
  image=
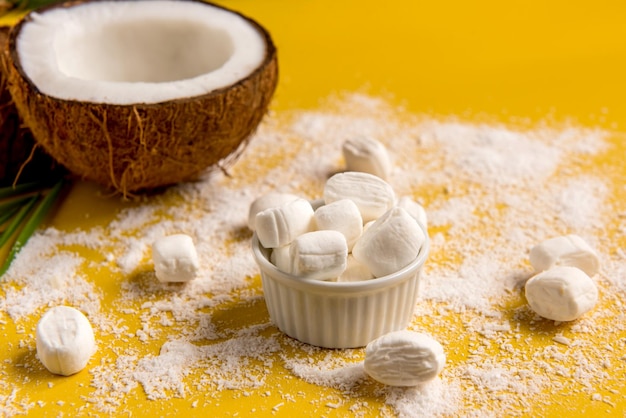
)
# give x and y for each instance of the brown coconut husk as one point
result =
(139, 147)
(21, 159)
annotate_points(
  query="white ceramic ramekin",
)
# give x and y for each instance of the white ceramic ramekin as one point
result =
(339, 314)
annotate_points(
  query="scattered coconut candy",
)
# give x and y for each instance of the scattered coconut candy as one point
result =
(175, 258)
(367, 155)
(334, 241)
(562, 288)
(65, 340)
(98, 76)
(566, 250)
(404, 358)
(561, 293)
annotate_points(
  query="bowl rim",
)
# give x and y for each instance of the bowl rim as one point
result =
(339, 287)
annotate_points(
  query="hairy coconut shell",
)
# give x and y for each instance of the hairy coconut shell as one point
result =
(20, 158)
(144, 146)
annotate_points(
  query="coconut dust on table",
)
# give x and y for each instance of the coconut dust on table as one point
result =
(491, 192)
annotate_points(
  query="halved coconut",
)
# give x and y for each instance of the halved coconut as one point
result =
(141, 94)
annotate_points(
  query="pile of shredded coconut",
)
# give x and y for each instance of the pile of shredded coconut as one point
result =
(491, 192)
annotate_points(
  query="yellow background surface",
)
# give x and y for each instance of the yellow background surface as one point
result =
(517, 62)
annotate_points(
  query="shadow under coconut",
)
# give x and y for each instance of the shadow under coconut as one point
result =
(21, 159)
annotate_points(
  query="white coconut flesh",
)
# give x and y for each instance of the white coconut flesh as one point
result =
(128, 52)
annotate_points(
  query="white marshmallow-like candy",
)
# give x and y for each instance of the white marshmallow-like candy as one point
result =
(366, 155)
(175, 258)
(270, 200)
(562, 293)
(416, 210)
(367, 225)
(355, 271)
(281, 258)
(319, 255)
(390, 244)
(64, 340)
(404, 358)
(372, 195)
(567, 250)
(317, 203)
(343, 216)
(279, 226)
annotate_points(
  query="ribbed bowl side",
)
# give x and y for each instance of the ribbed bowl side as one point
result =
(341, 320)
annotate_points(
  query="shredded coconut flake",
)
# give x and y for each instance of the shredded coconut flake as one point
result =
(491, 193)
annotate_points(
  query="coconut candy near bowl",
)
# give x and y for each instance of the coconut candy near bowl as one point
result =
(340, 314)
(137, 95)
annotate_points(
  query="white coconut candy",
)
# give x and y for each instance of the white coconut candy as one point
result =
(270, 200)
(319, 255)
(566, 250)
(343, 216)
(175, 258)
(367, 225)
(390, 244)
(372, 195)
(562, 293)
(65, 340)
(279, 226)
(281, 258)
(138, 51)
(367, 155)
(355, 271)
(404, 358)
(414, 209)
